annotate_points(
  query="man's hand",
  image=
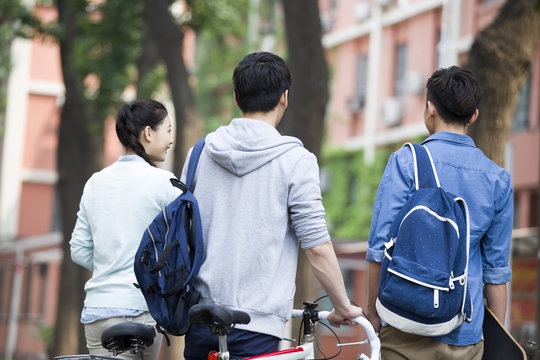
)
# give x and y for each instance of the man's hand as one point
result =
(375, 320)
(374, 272)
(340, 317)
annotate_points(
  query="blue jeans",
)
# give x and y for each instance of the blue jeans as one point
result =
(199, 342)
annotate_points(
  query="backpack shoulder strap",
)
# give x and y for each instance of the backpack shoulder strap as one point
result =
(425, 174)
(193, 161)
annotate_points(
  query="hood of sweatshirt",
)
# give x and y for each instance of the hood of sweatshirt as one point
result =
(246, 144)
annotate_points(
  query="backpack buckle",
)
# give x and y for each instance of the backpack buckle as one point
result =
(186, 292)
(390, 243)
(145, 255)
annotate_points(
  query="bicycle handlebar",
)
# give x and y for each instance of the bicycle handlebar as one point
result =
(374, 341)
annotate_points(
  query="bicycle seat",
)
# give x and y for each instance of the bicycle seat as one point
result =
(213, 315)
(122, 337)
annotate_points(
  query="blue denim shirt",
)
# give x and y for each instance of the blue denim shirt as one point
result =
(464, 171)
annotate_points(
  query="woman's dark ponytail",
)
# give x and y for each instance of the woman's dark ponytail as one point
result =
(131, 120)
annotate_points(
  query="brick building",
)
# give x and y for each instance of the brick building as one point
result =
(381, 53)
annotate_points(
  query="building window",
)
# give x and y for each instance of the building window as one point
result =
(521, 116)
(401, 67)
(358, 100)
(533, 213)
(34, 294)
(6, 276)
(27, 291)
(333, 5)
(438, 46)
(56, 224)
(361, 79)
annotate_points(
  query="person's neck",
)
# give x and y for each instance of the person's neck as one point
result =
(440, 125)
(272, 117)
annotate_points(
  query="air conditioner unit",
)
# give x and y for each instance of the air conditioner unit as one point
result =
(384, 2)
(361, 11)
(355, 104)
(326, 22)
(392, 111)
(415, 83)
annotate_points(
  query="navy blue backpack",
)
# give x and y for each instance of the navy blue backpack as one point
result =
(423, 287)
(169, 257)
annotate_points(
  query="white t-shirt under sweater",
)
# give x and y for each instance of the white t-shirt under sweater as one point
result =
(260, 200)
(117, 205)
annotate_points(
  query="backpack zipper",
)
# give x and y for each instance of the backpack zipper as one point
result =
(417, 281)
(167, 223)
(433, 213)
(155, 247)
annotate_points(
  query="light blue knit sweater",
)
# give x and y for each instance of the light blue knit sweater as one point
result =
(117, 205)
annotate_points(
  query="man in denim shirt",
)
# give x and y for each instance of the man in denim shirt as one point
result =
(451, 107)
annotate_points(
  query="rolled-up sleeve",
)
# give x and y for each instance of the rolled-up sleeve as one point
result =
(495, 245)
(306, 210)
(392, 194)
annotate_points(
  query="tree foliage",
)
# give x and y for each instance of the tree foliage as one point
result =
(23, 23)
(350, 191)
(104, 57)
(224, 33)
(221, 18)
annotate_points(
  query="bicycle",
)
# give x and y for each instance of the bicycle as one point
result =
(121, 338)
(135, 337)
(220, 320)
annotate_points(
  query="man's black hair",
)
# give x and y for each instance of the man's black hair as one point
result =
(259, 81)
(455, 93)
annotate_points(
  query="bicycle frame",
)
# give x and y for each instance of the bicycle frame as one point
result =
(306, 350)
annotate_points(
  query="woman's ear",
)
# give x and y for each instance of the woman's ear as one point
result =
(146, 134)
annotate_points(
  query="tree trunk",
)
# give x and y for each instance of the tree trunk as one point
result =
(501, 58)
(168, 37)
(79, 155)
(304, 118)
(147, 61)
(308, 96)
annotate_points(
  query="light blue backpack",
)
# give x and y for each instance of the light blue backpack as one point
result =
(423, 287)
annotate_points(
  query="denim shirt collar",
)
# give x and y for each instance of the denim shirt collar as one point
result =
(451, 137)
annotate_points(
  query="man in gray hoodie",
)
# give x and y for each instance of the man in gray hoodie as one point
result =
(260, 199)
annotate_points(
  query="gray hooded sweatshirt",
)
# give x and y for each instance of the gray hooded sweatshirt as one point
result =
(259, 197)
